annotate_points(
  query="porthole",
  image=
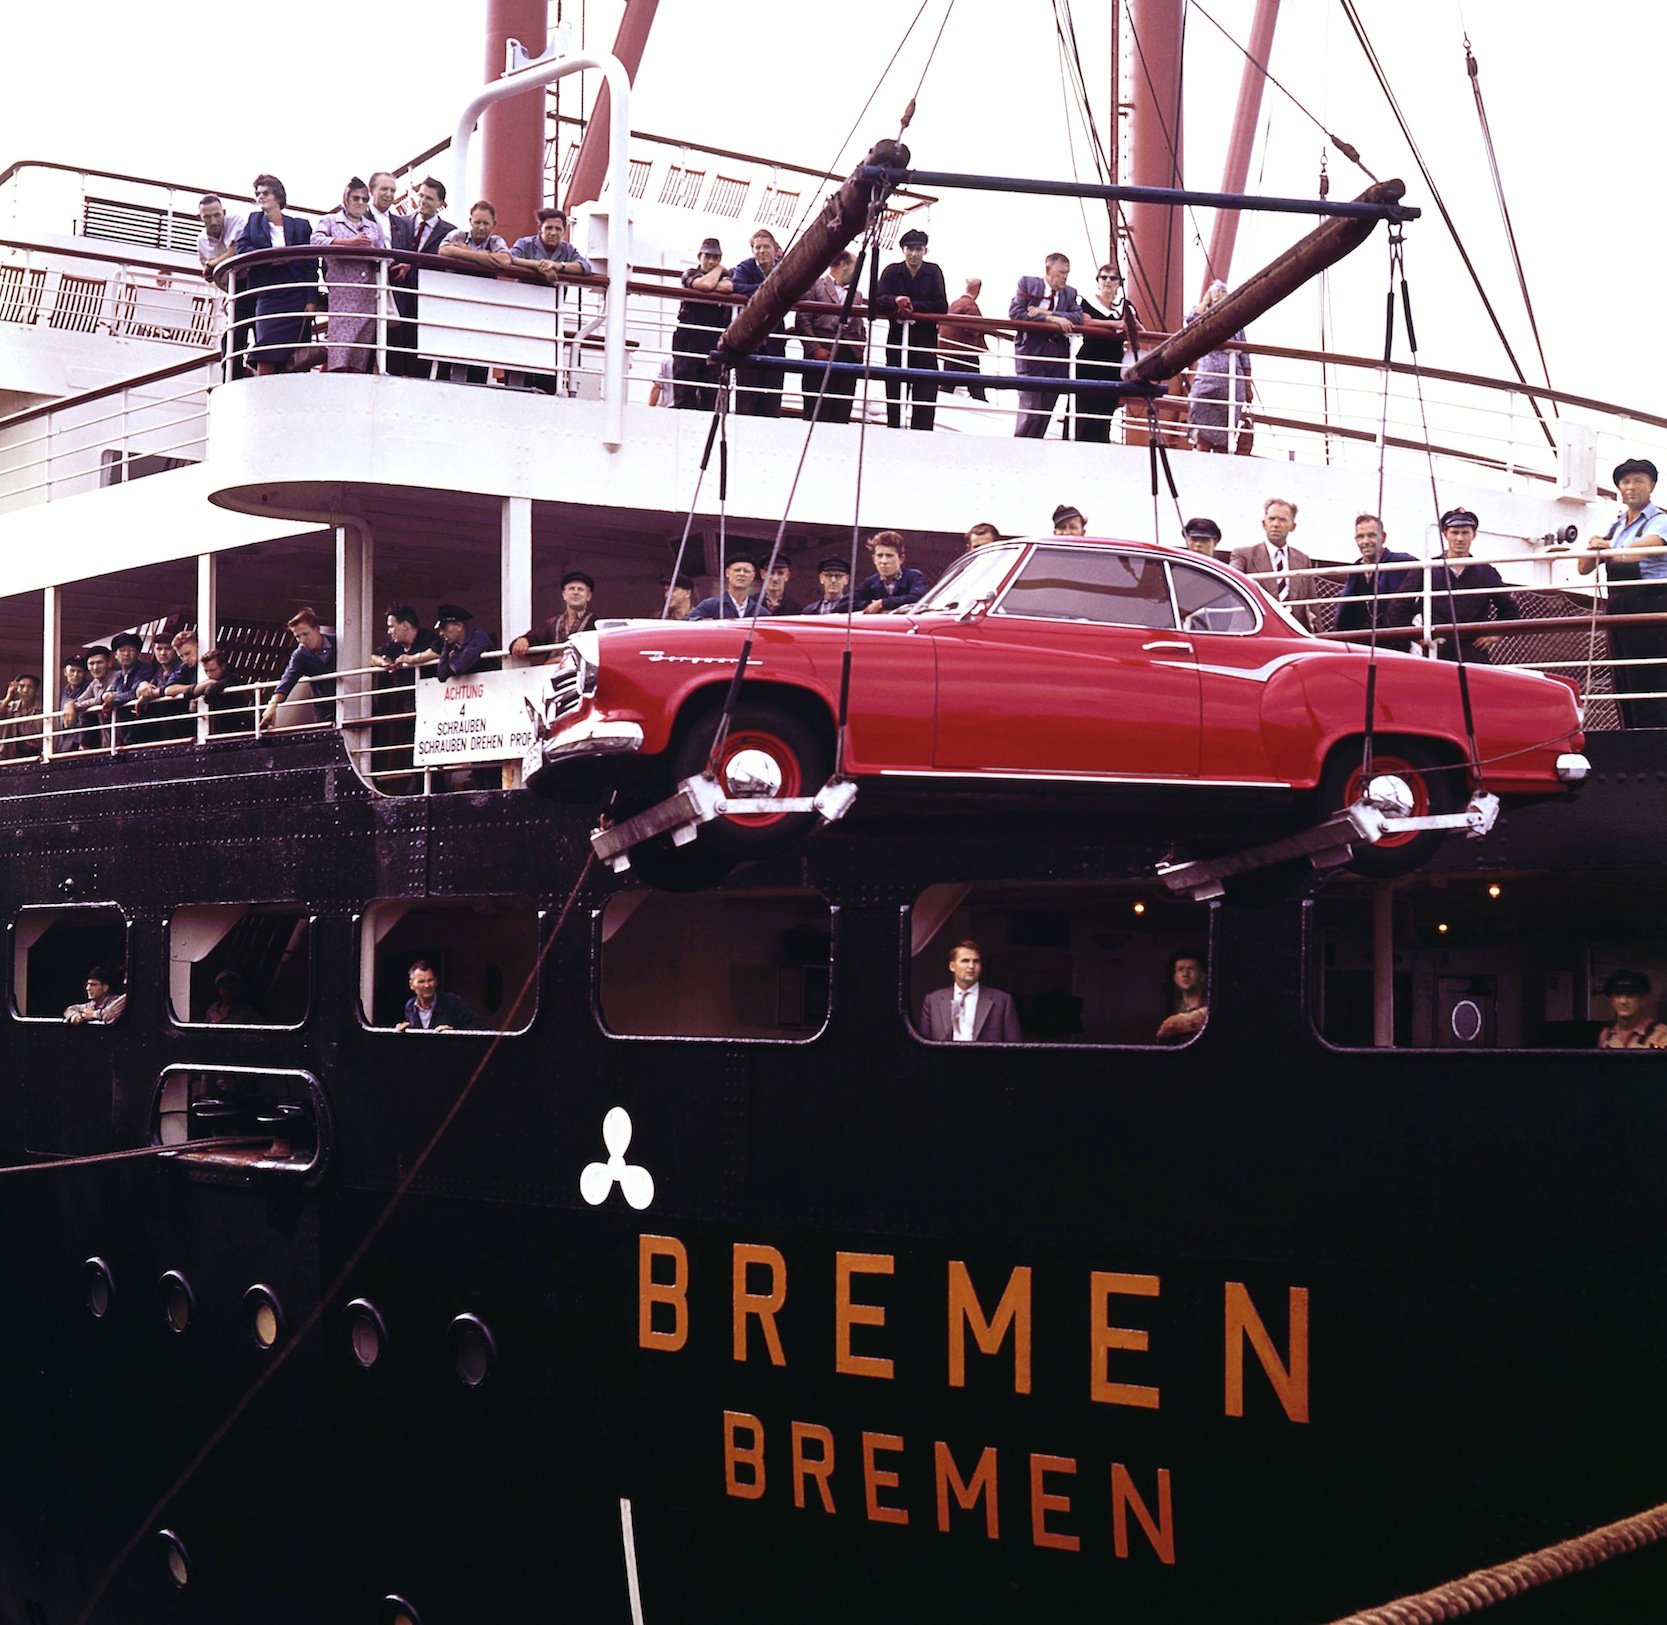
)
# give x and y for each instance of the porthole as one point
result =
(179, 1303)
(367, 1332)
(264, 1317)
(175, 1557)
(98, 1286)
(396, 1610)
(474, 1348)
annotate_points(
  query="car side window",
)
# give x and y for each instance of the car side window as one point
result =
(1071, 584)
(1209, 604)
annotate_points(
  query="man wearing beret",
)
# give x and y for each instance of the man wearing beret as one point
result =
(738, 597)
(909, 290)
(1634, 553)
(1478, 590)
(577, 590)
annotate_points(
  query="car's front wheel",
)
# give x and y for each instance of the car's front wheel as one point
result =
(1420, 778)
(768, 751)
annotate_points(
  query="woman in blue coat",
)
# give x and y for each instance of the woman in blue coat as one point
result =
(286, 291)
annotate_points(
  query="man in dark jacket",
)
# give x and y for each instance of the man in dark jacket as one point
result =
(909, 290)
(428, 1010)
(1359, 601)
(462, 647)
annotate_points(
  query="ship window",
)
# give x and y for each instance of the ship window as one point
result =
(240, 964)
(1093, 963)
(236, 1123)
(479, 953)
(1488, 961)
(1077, 584)
(53, 949)
(716, 964)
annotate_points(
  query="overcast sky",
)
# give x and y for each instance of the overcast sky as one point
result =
(209, 93)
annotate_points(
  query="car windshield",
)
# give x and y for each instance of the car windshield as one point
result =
(1086, 584)
(976, 573)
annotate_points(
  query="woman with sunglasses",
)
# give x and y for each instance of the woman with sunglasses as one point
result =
(350, 279)
(286, 291)
(1101, 353)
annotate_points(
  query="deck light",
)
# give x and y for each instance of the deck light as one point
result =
(1140, 908)
(1493, 890)
(1442, 928)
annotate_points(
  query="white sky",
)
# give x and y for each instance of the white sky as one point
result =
(208, 93)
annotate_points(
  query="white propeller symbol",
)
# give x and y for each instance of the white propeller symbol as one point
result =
(636, 1183)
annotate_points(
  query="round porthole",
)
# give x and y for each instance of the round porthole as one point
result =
(367, 1332)
(176, 1558)
(474, 1348)
(396, 1610)
(264, 1316)
(179, 1303)
(98, 1287)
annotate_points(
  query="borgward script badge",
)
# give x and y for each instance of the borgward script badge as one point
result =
(636, 1183)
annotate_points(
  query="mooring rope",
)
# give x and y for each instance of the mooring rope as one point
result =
(1505, 1581)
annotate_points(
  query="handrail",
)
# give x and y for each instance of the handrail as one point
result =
(114, 255)
(21, 164)
(198, 358)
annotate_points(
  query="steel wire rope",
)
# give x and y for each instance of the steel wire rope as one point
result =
(694, 504)
(1473, 68)
(137, 1153)
(310, 1321)
(721, 734)
(1382, 77)
(1348, 150)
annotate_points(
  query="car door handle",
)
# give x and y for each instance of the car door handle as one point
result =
(1166, 643)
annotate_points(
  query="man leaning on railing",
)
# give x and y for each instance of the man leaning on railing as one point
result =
(1633, 554)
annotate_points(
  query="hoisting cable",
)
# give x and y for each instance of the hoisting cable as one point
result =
(1353, 16)
(744, 659)
(694, 504)
(188, 1148)
(1347, 149)
(1158, 453)
(326, 1299)
(1398, 263)
(1473, 68)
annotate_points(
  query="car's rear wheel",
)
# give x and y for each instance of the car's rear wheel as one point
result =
(1419, 776)
(767, 751)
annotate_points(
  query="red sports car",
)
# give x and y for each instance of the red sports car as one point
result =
(1139, 675)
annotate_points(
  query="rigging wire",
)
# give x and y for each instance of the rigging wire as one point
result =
(1348, 150)
(879, 84)
(1382, 77)
(1473, 68)
(909, 111)
(326, 1299)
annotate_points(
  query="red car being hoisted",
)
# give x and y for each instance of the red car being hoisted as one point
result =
(1147, 681)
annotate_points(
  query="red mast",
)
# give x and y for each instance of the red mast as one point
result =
(1153, 268)
(1234, 176)
(512, 132)
(592, 162)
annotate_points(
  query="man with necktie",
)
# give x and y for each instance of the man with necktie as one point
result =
(1280, 567)
(968, 1012)
(1043, 354)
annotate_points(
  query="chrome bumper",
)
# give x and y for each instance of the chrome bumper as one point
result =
(1572, 768)
(592, 737)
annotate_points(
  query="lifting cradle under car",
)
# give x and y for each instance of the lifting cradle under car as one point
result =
(1382, 811)
(700, 799)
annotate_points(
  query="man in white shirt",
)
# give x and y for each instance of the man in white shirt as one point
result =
(221, 229)
(968, 1012)
(1281, 567)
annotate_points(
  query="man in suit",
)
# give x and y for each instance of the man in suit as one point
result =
(1280, 568)
(1359, 602)
(428, 1010)
(968, 1012)
(1047, 298)
(421, 233)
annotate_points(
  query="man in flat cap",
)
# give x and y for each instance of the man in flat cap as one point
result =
(1068, 521)
(739, 595)
(577, 590)
(911, 292)
(699, 322)
(1202, 535)
(1628, 992)
(777, 599)
(1281, 568)
(834, 576)
(122, 695)
(1478, 591)
(462, 646)
(1043, 353)
(677, 597)
(1633, 552)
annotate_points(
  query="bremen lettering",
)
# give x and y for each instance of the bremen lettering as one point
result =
(989, 1324)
